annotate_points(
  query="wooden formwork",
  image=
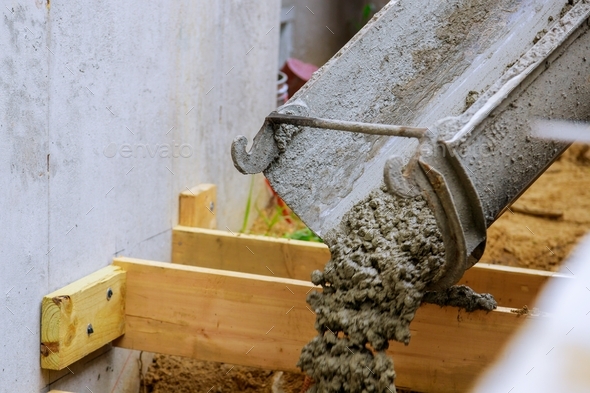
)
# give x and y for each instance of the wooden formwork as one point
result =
(240, 299)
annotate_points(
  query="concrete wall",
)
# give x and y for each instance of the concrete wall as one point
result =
(86, 88)
(321, 27)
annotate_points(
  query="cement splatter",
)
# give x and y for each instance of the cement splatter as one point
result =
(471, 98)
(283, 135)
(567, 7)
(463, 297)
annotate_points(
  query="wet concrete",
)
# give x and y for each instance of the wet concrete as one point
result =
(385, 252)
(463, 297)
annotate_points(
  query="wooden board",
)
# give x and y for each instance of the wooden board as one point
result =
(450, 348)
(67, 312)
(214, 315)
(512, 287)
(247, 253)
(264, 321)
(197, 206)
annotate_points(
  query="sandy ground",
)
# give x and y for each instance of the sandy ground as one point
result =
(169, 374)
(538, 232)
(533, 241)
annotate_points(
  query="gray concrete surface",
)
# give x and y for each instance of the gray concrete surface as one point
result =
(107, 111)
(413, 65)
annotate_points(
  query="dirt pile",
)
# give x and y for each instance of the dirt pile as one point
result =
(169, 374)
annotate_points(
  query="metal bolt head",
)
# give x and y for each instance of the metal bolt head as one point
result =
(211, 205)
(109, 294)
(89, 329)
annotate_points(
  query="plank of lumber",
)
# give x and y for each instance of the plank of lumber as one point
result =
(197, 206)
(215, 315)
(67, 313)
(263, 321)
(247, 253)
(450, 348)
(511, 286)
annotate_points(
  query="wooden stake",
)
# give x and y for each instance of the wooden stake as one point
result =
(197, 206)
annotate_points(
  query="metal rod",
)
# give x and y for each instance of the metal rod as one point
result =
(350, 126)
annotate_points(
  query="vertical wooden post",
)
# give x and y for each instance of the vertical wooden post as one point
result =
(198, 206)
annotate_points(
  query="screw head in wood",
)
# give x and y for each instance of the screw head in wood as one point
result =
(211, 206)
(109, 294)
(89, 329)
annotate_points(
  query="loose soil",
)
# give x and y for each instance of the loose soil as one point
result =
(539, 232)
(537, 242)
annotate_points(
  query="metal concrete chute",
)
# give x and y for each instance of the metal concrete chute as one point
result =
(413, 65)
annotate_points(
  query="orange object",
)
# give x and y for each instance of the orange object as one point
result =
(307, 382)
(284, 208)
(298, 73)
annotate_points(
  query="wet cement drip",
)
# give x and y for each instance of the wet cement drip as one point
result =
(387, 251)
(463, 297)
